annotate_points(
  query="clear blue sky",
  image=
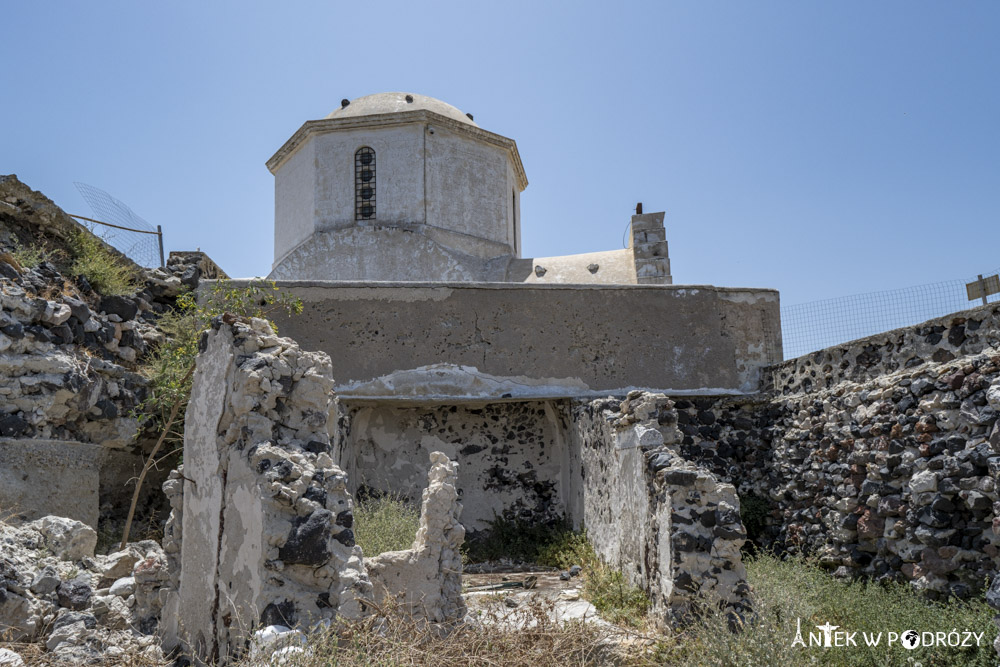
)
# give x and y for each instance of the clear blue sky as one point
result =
(821, 148)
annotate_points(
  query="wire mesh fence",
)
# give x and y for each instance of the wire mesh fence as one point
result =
(812, 326)
(119, 226)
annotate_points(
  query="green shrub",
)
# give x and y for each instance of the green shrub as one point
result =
(107, 272)
(171, 368)
(168, 369)
(385, 523)
(787, 590)
(30, 256)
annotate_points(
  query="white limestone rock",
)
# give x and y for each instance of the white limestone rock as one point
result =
(9, 658)
(66, 538)
(124, 587)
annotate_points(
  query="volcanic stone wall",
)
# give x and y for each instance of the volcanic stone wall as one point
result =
(670, 525)
(69, 360)
(880, 456)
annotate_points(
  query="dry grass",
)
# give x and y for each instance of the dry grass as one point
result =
(34, 655)
(522, 637)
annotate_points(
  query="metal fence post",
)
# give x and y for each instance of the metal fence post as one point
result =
(159, 237)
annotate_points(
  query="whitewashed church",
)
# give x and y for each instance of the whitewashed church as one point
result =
(401, 187)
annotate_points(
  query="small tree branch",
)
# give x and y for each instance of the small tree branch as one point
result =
(152, 457)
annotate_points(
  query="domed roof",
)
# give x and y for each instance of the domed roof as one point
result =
(379, 103)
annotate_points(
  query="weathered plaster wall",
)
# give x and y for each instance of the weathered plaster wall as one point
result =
(548, 340)
(467, 185)
(671, 526)
(262, 528)
(295, 201)
(513, 457)
(399, 175)
(43, 477)
(376, 253)
(434, 177)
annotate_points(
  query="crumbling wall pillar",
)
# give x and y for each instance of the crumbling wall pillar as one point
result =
(262, 529)
(670, 525)
(427, 578)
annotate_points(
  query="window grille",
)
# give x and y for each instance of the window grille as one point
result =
(364, 184)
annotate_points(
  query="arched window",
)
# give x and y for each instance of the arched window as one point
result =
(364, 184)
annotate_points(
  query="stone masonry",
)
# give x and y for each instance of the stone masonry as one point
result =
(262, 530)
(879, 456)
(426, 579)
(670, 525)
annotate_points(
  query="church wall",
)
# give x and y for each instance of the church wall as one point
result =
(467, 185)
(513, 211)
(383, 254)
(490, 340)
(513, 457)
(295, 201)
(399, 175)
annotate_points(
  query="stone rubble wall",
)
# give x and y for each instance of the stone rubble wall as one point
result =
(262, 532)
(671, 526)
(890, 475)
(426, 579)
(937, 341)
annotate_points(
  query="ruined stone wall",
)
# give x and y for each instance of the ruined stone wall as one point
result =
(880, 456)
(514, 458)
(262, 528)
(668, 524)
(426, 579)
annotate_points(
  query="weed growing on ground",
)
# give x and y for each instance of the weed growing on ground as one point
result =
(558, 545)
(31, 255)
(384, 523)
(107, 272)
(787, 590)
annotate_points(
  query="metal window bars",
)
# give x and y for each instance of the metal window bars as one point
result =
(364, 184)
